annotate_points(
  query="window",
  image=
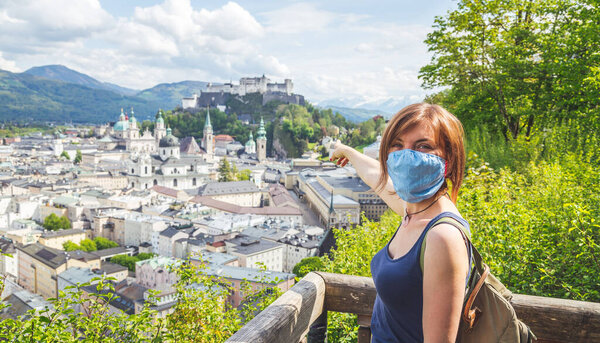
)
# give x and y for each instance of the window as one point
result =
(146, 170)
(132, 171)
(174, 182)
(132, 185)
(155, 182)
(193, 181)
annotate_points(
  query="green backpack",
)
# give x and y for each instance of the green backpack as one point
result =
(487, 315)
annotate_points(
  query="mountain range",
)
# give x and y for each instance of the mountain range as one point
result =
(57, 93)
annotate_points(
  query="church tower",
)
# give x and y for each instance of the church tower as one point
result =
(133, 132)
(261, 142)
(159, 127)
(208, 140)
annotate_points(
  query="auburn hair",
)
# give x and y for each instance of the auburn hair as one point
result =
(448, 133)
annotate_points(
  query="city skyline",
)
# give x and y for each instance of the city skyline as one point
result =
(350, 52)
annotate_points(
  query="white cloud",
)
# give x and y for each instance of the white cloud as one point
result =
(51, 20)
(8, 64)
(297, 18)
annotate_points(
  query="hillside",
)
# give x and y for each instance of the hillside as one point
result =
(62, 73)
(169, 94)
(24, 97)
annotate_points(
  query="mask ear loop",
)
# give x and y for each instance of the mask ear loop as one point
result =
(445, 168)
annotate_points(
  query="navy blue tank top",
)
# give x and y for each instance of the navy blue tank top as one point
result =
(398, 310)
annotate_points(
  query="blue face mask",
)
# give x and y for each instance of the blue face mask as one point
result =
(416, 175)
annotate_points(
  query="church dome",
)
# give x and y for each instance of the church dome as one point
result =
(169, 140)
(250, 142)
(132, 119)
(121, 125)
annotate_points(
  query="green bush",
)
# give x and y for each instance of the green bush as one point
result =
(201, 314)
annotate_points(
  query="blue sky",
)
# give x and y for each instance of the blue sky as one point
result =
(358, 53)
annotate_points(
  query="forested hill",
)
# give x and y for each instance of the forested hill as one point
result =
(59, 94)
(25, 97)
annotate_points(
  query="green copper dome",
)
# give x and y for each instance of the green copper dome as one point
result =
(121, 125)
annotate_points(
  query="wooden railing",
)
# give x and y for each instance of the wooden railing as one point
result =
(300, 314)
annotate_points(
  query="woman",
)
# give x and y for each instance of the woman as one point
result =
(421, 159)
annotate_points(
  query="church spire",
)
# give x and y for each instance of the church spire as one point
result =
(207, 123)
(261, 133)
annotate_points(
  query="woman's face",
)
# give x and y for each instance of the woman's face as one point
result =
(419, 138)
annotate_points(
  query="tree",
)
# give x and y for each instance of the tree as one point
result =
(323, 151)
(307, 265)
(244, 175)
(70, 246)
(104, 243)
(65, 155)
(65, 223)
(78, 157)
(88, 245)
(54, 222)
(225, 171)
(517, 66)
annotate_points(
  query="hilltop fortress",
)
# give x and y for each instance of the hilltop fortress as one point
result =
(217, 95)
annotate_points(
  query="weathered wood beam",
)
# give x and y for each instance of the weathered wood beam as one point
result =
(559, 319)
(349, 293)
(289, 317)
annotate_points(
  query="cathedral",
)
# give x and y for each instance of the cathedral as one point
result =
(160, 159)
(125, 134)
(170, 164)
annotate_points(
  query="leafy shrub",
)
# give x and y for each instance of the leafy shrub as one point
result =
(201, 314)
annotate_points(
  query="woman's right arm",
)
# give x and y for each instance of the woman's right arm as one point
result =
(368, 169)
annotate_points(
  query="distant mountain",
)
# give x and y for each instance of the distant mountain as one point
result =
(384, 106)
(170, 94)
(62, 73)
(356, 115)
(25, 97)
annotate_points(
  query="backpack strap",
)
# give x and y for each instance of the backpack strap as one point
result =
(471, 250)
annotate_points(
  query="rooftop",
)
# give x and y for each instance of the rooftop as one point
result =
(62, 233)
(232, 187)
(249, 274)
(248, 245)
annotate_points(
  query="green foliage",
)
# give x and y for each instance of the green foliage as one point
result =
(70, 246)
(225, 171)
(65, 155)
(54, 222)
(201, 314)
(88, 245)
(104, 243)
(78, 157)
(244, 174)
(129, 261)
(26, 98)
(517, 66)
(99, 243)
(307, 265)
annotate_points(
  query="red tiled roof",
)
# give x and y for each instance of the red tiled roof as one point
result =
(165, 191)
(224, 138)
